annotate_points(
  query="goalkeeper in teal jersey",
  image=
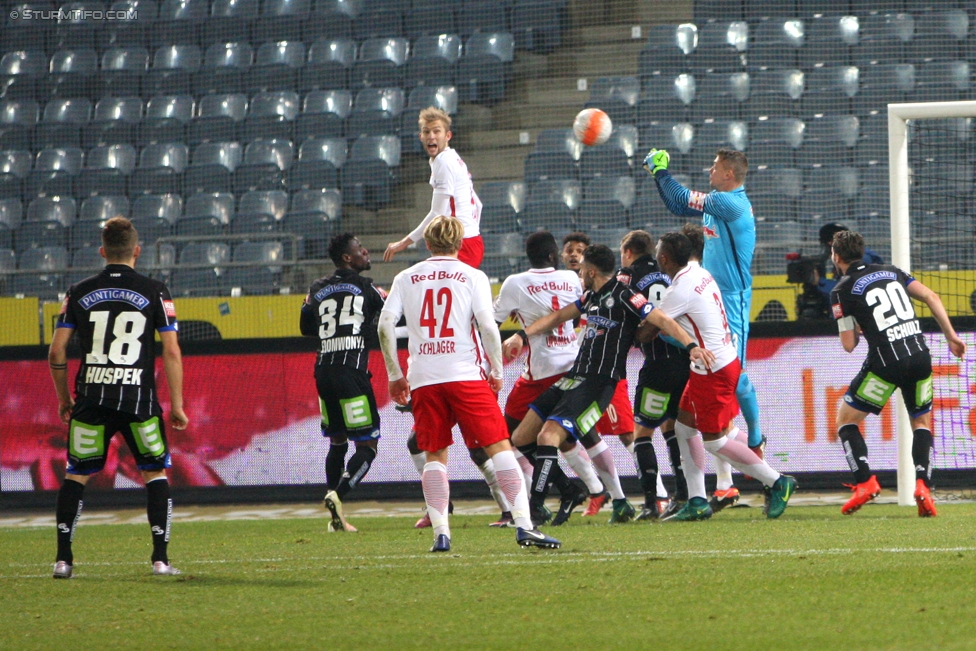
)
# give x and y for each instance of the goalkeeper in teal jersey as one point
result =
(730, 239)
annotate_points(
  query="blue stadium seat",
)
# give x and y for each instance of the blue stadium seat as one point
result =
(830, 139)
(484, 69)
(606, 202)
(775, 192)
(71, 74)
(122, 70)
(830, 89)
(883, 38)
(205, 279)
(319, 160)
(559, 141)
(667, 98)
(379, 22)
(281, 20)
(103, 207)
(617, 97)
(774, 93)
(419, 23)
(276, 67)
(17, 162)
(61, 124)
(368, 176)
(212, 165)
(433, 61)
(314, 217)
(676, 137)
(47, 223)
(882, 84)
(271, 115)
(172, 71)
(329, 62)
(260, 211)
(54, 171)
(375, 112)
(218, 118)
(48, 283)
(722, 46)
(206, 214)
(828, 40)
(775, 44)
(381, 63)
(477, 16)
(721, 95)
(550, 166)
(17, 119)
(940, 81)
(160, 168)
(667, 50)
(230, 22)
(535, 25)
(265, 162)
(502, 202)
(717, 134)
(324, 114)
(178, 21)
(773, 142)
(828, 195)
(256, 280)
(105, 170)
(224, 65)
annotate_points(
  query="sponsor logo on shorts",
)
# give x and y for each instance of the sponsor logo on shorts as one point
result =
(356, 412)
(85, 440)
(923, 392)
(653, 404)
(148, 437)
(589, 418)
(875, 391)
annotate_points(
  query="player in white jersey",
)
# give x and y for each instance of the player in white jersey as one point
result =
(694, 301)
(526, 297)
(446, 303)
(454, 193)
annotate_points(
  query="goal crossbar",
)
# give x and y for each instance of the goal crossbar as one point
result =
(898, 176)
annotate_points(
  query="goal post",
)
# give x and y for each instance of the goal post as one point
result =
(901, 243)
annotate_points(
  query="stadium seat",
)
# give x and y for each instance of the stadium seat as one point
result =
(113, 121)
(940, 81)
(554, 217)
(281, 20)
(502, 201)
(87, 258)
(717, 134)
(160, 168)
(607, 160)
(536, 25)
(265, 162)
(122, 70)
(17, 162)
(828, 194)
(476, 16)
(28, 62)
(939, 36)
(224, 65)
(882, 84)
(722, 46)
(204, 275)
(229, 22)
(418, 24)
(172, 71)
(375, 112)
(23, 34)
(271, 115)
(329, 61)
(103, 207)
(829, 140)
(206, 214)
(774, 93)
(85, 234)
(378, 22)
(828, 40)
(54, 171)
(276, 67)
(677, 138)
(617, 97)
(380, 64)
(131, 31)
(367, 176)
(721, 95)
(667, 50)
(829, 89)
(550, 166)
(48, 261)
(569, 193)
(256, 280)
(71, 74)
(559, 141)
(882, 38)
(260, 211)
(324, 114)
(319, 160)
(212, 165)
(47, 222)
(168, 207)
(11, 215)
(483, 70)
(773, 142)
(775, 43)
(433, 60)
(178, 21)
(667, 98)
(151, 229)
(17, 119)
(775, 192)
(313, 218)
(218, 118)
(606, 203)
(61, 123)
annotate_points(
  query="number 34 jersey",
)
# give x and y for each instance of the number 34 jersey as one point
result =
(439, 298)
(342, 311)
(875, 295)
(114, 314)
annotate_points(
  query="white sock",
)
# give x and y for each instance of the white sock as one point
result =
(512, 484)
(437, 494)
(662, 492)
(742, 459)
(723, 469)
(603, 462)
(525, 465)
(579, 461)
(419, 461)
(488, 470)
(692, 459)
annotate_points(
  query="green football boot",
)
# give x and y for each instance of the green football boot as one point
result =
(696, 508)
(779, 496)
(623, 511)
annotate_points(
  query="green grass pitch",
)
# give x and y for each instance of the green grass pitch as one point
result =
(882, 579)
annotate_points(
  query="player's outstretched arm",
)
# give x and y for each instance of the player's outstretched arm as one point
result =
(919, 291)
(492, 341)
(57, 359)
(173, 367)
(513, 345)
(440, 204)
(660, 320)
(386, 331)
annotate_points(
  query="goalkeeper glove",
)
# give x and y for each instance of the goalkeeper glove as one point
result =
(656, 159)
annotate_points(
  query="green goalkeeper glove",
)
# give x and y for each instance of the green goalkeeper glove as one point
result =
(656, 159)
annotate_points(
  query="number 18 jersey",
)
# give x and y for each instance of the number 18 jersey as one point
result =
(114, 314)
(439, 298)
(874, 294)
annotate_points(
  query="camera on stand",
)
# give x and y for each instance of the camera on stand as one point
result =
(807, 270)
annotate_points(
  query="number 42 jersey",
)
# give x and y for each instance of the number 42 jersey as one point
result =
(875, 296)
(114, 314)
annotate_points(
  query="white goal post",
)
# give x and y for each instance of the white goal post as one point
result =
(901, 250)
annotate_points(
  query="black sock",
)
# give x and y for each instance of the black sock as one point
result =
(528, 451)
(646, 467)
(358, 467)
(546, 458)
(563, 484)
(856, 452)
(674, 454)
(334, 463)
(67, 514)
(159, 508)
(922, 455)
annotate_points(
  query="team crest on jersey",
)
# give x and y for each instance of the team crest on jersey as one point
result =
(609, 302)
(709, 232)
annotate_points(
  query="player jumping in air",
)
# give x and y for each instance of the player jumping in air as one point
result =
(342, 311)
(114, 314)
(454, 193)
(875, 300)
(708, 402)
(662, 378)
(730, 239)
(444, 301)
(571, 407)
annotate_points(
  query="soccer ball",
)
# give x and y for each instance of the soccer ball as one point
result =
(592, 127)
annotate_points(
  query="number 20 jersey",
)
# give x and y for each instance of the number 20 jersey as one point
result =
(439, 298)
(114, 314)
(874, 294)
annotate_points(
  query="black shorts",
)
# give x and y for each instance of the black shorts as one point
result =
(873, 385)
(576, 403)
(92, 428)
(659, 387)
(347, 403)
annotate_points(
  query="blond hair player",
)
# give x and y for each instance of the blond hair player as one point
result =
(443, 301)
(454, 193)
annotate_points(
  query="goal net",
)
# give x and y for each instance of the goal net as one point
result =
(932, 147)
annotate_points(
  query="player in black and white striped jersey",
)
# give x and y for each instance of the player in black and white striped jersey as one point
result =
(342, 311)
